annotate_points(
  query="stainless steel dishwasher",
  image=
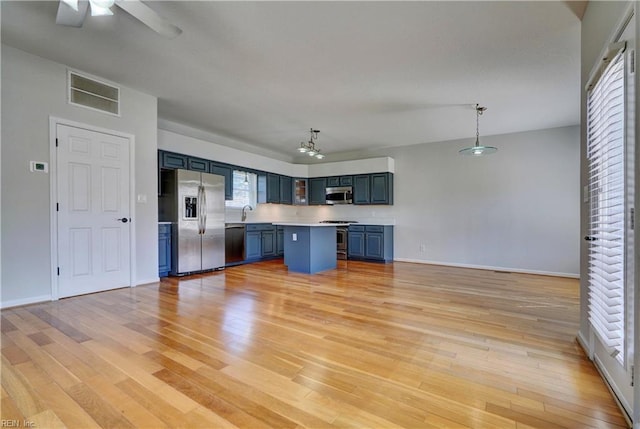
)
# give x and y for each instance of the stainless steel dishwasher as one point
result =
(234, 243)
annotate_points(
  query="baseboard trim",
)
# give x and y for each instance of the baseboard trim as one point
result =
(146, 281)
(615, 392)
(487, 267)
(25, 301)
(584, 344)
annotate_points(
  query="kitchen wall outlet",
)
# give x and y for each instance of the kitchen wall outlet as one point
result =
(294, 236)
(38, 166)
(142, 198)
(423, 248)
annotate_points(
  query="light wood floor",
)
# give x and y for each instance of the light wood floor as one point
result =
(363, 346)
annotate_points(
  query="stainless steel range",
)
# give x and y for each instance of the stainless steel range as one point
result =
(341, 237)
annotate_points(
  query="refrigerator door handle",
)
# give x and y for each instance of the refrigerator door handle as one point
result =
(204, 210)
(200, 203)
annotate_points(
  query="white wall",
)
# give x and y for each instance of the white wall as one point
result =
(33, 89)
(516, 210)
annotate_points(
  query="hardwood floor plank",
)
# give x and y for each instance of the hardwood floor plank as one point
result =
(364, 346)
(135, 413)
(46, 419)
(220, 407)
(100, 410)
(56, 399)
(19, 390)
(54, 369)
(154, 403)
(8, 409)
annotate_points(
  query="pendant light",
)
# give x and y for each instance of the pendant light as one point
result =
(310, 147)
(477, 149)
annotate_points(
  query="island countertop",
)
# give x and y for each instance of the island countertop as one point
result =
(313, 224)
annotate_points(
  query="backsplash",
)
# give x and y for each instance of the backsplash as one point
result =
(287, 213)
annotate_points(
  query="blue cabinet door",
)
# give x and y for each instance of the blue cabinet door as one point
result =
(198, 164)
(280, 241)
(268, 243)
(374, 245)
(173, 160)
(164, 250)
(253, 245)
(381, 188)
(273, 188)
(346, 180)
(286, 190)
(361, 185)
(333, 181)
(355, 245)
(317, 193)
(227, 172)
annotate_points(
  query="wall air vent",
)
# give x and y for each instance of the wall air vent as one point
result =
(93, 94)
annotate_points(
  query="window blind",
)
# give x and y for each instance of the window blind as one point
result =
(606, 164)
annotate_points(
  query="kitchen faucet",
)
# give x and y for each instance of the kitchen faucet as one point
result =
(244, 212)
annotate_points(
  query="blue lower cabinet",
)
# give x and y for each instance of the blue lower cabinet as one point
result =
(253, 245)
(355, 244)
(279, 241)
(260, 241)
(164, 249)
(371, 242)
(268, 243)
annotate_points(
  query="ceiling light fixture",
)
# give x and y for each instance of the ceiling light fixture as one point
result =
(98, 7)
(477, 149)
(310, 147)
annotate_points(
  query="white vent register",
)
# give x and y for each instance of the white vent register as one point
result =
(93, 94)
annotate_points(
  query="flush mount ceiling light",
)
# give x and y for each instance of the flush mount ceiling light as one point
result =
(310, 147)
(72, 13)
(477, 149)
(98, 7)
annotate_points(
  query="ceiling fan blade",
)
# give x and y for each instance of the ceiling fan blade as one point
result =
(149, 17)
(70, 17)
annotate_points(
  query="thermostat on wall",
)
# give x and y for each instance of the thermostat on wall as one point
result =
(37, 166)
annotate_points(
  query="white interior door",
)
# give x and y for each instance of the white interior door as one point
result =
(93, 211)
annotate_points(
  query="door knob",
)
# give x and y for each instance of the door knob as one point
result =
(123, 220)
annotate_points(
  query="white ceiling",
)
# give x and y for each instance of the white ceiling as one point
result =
(366, 74)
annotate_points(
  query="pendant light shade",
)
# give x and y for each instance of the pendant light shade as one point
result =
(477, 149)
(310, 147)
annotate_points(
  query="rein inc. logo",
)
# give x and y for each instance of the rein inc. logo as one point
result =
(15, 423)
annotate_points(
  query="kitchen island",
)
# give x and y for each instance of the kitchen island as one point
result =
(309, 247)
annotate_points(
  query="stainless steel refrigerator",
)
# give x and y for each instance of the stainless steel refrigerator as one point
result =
(194, 203)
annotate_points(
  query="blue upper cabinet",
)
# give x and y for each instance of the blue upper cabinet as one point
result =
(279, 189)
(361, 185)
(227, 172)
(381, 188)
(273, 188)
(173, 160)
(317, 194)
(198, 164)
(374, 188)
(286, 190)
(336, 181)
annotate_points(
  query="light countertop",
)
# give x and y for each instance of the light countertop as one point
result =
(313, 224)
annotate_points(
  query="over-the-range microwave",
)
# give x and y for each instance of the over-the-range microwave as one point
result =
(339, 195)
